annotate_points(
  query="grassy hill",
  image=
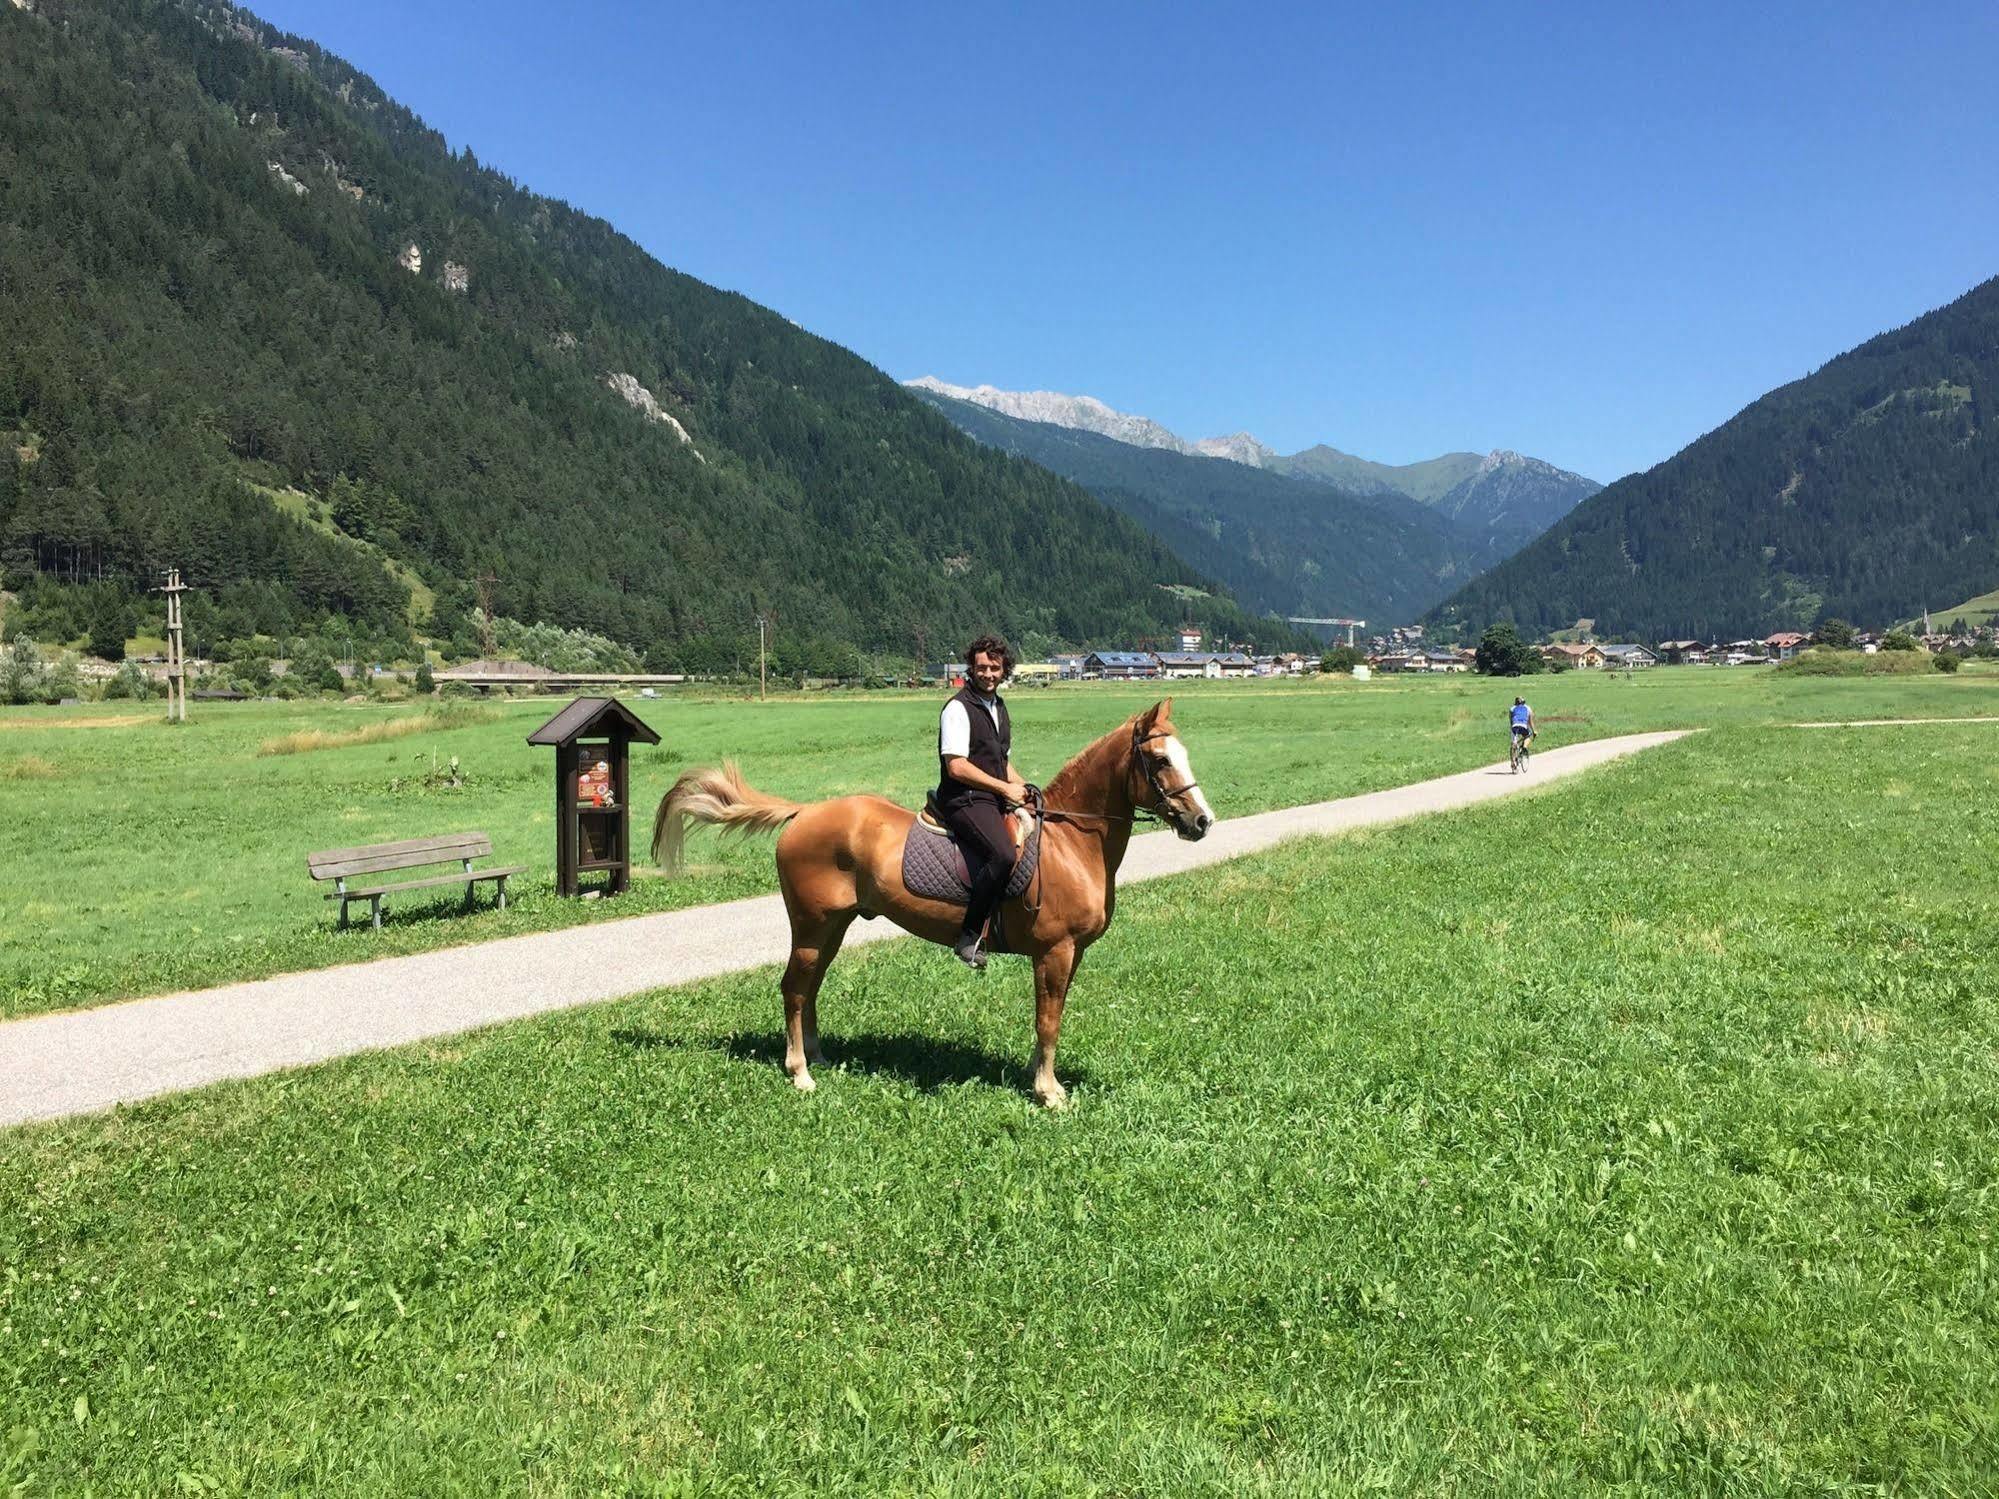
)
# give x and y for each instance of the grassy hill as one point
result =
(1860, 491)
(1975, 612)
(233, 270)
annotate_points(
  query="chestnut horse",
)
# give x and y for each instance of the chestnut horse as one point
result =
(842, 858)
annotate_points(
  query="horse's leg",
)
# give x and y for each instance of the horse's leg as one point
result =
(1052, 972)
(814, 945)
(829, 949)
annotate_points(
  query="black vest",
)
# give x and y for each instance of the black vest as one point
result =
(992, 747)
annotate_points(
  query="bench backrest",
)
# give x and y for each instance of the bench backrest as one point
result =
(340, 863)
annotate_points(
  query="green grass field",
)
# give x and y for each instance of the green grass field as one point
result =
(141, 858)
(1640, 1134)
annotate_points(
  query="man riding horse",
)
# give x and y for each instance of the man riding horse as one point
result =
(844, 859)
(977, 782)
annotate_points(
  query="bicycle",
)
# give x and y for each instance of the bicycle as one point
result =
(1519, 754)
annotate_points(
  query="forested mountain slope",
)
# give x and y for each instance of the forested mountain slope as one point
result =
(1866, 490)
(1291, 546)
(231, 268)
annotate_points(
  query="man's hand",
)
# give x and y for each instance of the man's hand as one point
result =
(1016, 792)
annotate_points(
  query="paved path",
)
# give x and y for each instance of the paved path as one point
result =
(55, 1065)
(1885, 723)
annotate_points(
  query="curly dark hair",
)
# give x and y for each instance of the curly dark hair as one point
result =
(992, 645)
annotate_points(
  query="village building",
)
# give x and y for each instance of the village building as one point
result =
(1585, 657)
(1390, 663)
(1628, 656)
(1115, 666)
(1785, 644)
(1180, 664)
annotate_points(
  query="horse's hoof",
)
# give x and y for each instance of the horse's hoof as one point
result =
(802, 1081)
(1056, 1097)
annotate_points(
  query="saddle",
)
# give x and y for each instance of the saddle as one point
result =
(933, 865)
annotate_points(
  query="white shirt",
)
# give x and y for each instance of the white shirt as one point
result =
(954, 726)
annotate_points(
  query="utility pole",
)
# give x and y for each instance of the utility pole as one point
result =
(176, 654)
(761, 686)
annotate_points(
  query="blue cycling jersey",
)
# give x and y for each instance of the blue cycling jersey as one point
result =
(1521, 713)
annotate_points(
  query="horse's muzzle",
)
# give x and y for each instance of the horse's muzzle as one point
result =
(1195, 828)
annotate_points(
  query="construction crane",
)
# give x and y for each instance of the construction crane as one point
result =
(1350, 624)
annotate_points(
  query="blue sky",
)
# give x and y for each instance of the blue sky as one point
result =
(1584, 232)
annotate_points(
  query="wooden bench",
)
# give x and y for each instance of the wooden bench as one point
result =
(342, 864)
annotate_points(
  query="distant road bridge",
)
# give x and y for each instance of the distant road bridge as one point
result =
(522, 676)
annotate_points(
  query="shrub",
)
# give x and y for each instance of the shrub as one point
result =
(129, 683)
(1342, 659)
(1899, 640)
(1819, 662)
(1946, 660)
(426, 683)
(21, 673)
(312, 670)
(61, 680)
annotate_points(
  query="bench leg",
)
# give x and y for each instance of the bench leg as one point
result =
(376, 902)
(502, 883)
(343, 914)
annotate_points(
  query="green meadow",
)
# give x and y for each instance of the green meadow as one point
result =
(141, 858)
(1639, 1134)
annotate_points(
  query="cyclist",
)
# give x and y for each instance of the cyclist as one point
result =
(1523, 728)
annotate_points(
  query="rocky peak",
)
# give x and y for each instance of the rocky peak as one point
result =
(299, 189)
(1078, 413)
(647, 405)
(1237, 447)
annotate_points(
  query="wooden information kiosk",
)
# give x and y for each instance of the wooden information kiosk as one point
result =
(593, 812)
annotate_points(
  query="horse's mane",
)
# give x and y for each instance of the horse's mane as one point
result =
(1077, 772)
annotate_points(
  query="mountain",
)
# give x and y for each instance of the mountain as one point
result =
(260, 323)
(1079, 413)
(1861, 491)
(1426, 481)
(1502, 501)
(1510, 499)
(1289, 546)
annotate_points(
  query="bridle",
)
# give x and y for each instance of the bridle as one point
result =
(1043, 813)
(1160, 795)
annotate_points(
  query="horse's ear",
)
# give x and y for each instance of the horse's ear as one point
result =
(1151, 716)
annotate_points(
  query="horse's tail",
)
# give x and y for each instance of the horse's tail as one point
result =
(715, 796)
